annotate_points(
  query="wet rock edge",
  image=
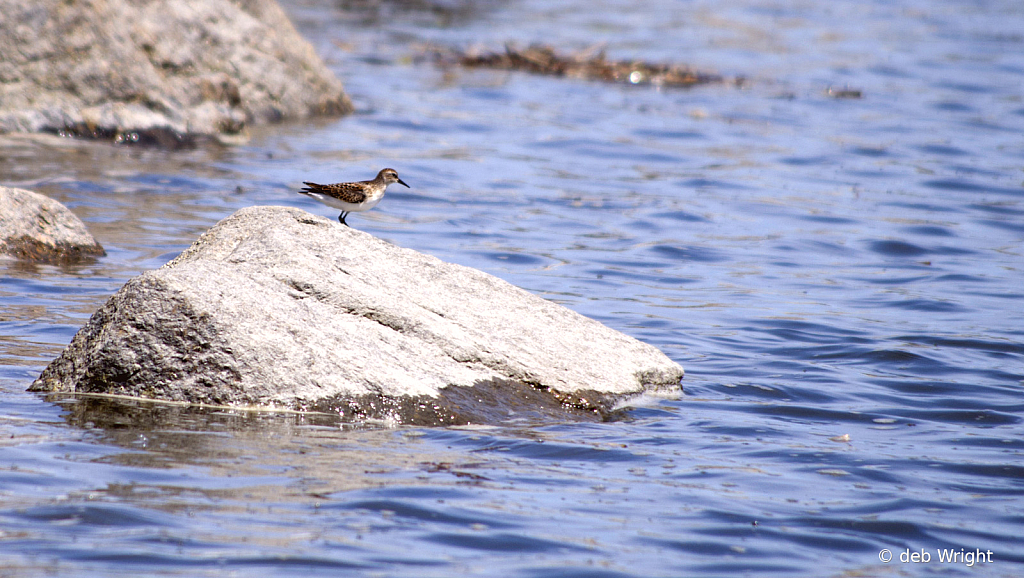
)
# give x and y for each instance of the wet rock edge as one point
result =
(61, 253)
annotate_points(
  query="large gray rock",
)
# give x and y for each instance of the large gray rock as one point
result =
(275, 306)
(128, 67)
(38, 228)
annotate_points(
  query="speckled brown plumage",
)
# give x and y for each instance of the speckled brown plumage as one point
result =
(353, 197)
(354, 193)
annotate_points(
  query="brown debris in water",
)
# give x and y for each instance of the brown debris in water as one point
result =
(590, 64)
(844, 93)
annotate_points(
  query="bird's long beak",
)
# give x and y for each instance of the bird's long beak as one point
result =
(401, 182)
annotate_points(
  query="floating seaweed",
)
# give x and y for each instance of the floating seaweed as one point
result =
(590, 64)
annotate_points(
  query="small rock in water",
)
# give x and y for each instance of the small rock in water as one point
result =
(34, 227)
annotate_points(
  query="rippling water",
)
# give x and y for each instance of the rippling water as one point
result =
(841, 279)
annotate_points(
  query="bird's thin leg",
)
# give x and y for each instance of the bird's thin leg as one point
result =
(341, 218)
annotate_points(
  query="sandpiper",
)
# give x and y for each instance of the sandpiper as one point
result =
(353, 197)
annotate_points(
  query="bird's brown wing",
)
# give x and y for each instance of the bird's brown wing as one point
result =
(345, 192)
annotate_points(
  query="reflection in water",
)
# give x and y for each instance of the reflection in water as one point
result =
(442, 13)
(275, 456)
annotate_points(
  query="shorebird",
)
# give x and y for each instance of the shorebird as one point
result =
(353, 197)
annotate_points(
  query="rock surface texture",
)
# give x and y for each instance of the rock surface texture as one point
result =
(38, 228)
(131, 68)
(275, 306)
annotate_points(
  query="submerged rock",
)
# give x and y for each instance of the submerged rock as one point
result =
(590, 65)
(140, 70)
(276, 307)
(37, 228)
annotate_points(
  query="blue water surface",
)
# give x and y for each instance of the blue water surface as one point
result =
(840, 277)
